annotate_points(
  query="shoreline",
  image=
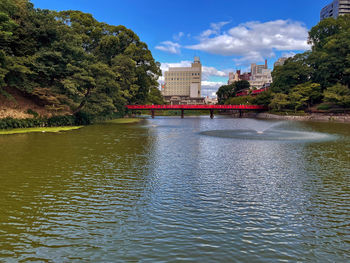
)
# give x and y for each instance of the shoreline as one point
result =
(318, 117)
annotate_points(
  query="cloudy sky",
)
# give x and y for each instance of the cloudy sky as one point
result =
(225, 34)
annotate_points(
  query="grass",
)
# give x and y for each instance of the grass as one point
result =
(124, 120)
(39, 129)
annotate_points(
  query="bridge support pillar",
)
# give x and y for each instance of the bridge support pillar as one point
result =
(240, 113)
(182, 114)
(152, 113)
(211, 114)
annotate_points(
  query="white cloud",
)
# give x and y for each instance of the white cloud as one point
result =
(215, 29)
(208, 72)
(169, 46)
(178, 36)
(210, 87)
(253, 41)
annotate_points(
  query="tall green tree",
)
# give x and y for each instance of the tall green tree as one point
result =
(295, 71)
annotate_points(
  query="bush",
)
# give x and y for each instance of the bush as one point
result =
(82, 118)
(324, 106)
(67, 120)
(34, 113)
(10, 123)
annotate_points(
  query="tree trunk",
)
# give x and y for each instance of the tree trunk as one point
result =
(82, 104)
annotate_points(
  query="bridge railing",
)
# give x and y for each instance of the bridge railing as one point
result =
(196, 107)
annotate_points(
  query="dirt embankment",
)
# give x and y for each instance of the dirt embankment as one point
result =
(17, 107)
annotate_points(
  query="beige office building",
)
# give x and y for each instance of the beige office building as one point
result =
(183, 84)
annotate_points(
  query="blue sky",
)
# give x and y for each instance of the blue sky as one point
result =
(225, 34)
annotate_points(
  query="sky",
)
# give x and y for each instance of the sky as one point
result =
(225, 34)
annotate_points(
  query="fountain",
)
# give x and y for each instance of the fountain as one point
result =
(262, 130)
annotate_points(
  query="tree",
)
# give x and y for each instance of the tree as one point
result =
(225, 92)
(241, 85)
(338, 95)
(279, 101)
(264, 98)
(330, 52)
(295, 71)
(68, 60)
(155, 97)
(305, 95)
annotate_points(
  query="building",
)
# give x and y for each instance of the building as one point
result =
(210, 101)
(280, 62)
(335, 9)
(260, 75)
(183, 84)
(232, 77)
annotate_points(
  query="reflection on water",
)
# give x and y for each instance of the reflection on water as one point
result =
(163, 191)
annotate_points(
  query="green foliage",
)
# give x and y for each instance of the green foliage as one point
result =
(34, 113)
(295, 71)
(279, 101)
(225, 92)
(241, 85)
(54, 121)
(263, 98)
(338, 95)
(305, 95)
(10, 123)
(324, 106)
(155, 97)
(228, 91)
(241, 100)
(69, 61)
(325, 68)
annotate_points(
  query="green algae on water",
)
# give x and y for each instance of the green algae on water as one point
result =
(39, 129)
(124, 120)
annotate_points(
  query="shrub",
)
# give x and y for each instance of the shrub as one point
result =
(324, 106)
(34, 113)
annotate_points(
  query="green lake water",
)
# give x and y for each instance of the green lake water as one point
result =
(177, 190)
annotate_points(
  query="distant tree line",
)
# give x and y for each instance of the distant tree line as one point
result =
(320, 76)
(68, 61)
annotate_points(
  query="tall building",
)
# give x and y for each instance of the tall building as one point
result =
(260, 75)
(335, 9)
(183, 84)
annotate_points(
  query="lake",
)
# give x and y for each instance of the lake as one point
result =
(177, 190)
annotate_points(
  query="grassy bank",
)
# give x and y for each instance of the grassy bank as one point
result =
(39, 129)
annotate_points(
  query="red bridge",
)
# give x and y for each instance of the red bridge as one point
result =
(211, 108)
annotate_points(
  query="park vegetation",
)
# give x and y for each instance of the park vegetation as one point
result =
(68, 62)
(318, 79)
